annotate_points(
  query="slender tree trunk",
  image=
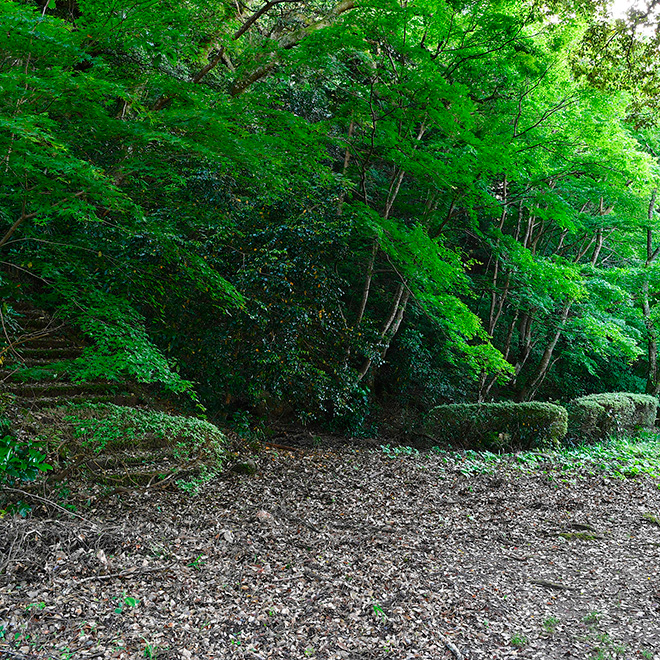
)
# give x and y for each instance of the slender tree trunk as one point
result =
(367, 283)
(390, 327)
(497, 299)
(485, 385)
(525, 343)
(652, 383)
(398, 307)
(546, 360)
(347, 160)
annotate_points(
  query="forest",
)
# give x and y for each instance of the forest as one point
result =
(329, 329)
(329, 212)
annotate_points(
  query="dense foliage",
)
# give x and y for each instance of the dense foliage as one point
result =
(325, 210)
(19, 461)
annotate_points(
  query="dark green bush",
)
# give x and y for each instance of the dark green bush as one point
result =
(19, 461)
(498, 426)
(596, 417)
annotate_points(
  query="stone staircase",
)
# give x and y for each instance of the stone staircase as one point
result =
(35, 385)
(33, 368)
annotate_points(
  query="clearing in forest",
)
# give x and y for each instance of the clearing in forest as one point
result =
(349, 553)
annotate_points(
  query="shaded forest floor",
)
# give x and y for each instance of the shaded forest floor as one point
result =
(343, 553)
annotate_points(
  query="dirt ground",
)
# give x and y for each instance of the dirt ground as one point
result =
(340, 553)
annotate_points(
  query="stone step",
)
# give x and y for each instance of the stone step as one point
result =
(64, 388)
(27, 311)
(137, 457)
(55, 401)
(51, 341)
(38, 324)
(6, 373)
(30, 362)
(51, 353)
(46, 344)
(16, 373)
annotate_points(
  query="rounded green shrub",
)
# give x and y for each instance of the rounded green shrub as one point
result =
(498, 426)
(596, 417)
(101, 426)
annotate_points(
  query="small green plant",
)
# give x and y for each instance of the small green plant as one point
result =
(592, 617)
(397, 452)
(652, 518)
(647, 654)
(197, 563)
(18, 508)
(249, 429)
(518, 641)
(193, 485)
(151, 651)
(20, 461)
(378, 611)
(309, 651)
(550, 624)
(579, 536)
(35, 606)
(126, 601)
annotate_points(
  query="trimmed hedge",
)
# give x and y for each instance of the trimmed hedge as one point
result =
(596, 417)
(498, 426)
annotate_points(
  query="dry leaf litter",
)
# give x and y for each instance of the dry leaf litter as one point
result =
(342, 554)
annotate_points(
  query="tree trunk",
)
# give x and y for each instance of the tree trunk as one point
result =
(390, 327)
(546, 360)
(652, 384)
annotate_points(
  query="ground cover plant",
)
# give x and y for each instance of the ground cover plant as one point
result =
(340, 551)
(617, 458)
(20, 460)
(120, 446)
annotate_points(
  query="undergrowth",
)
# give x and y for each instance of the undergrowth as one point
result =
(19, 460)
(622, 458)
(107, 427)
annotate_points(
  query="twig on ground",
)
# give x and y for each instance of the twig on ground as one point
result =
(6, 652)
(283, 447)
(550, 585)
(452, 647)
(521, 558)
(49, 503)
(297, 519)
